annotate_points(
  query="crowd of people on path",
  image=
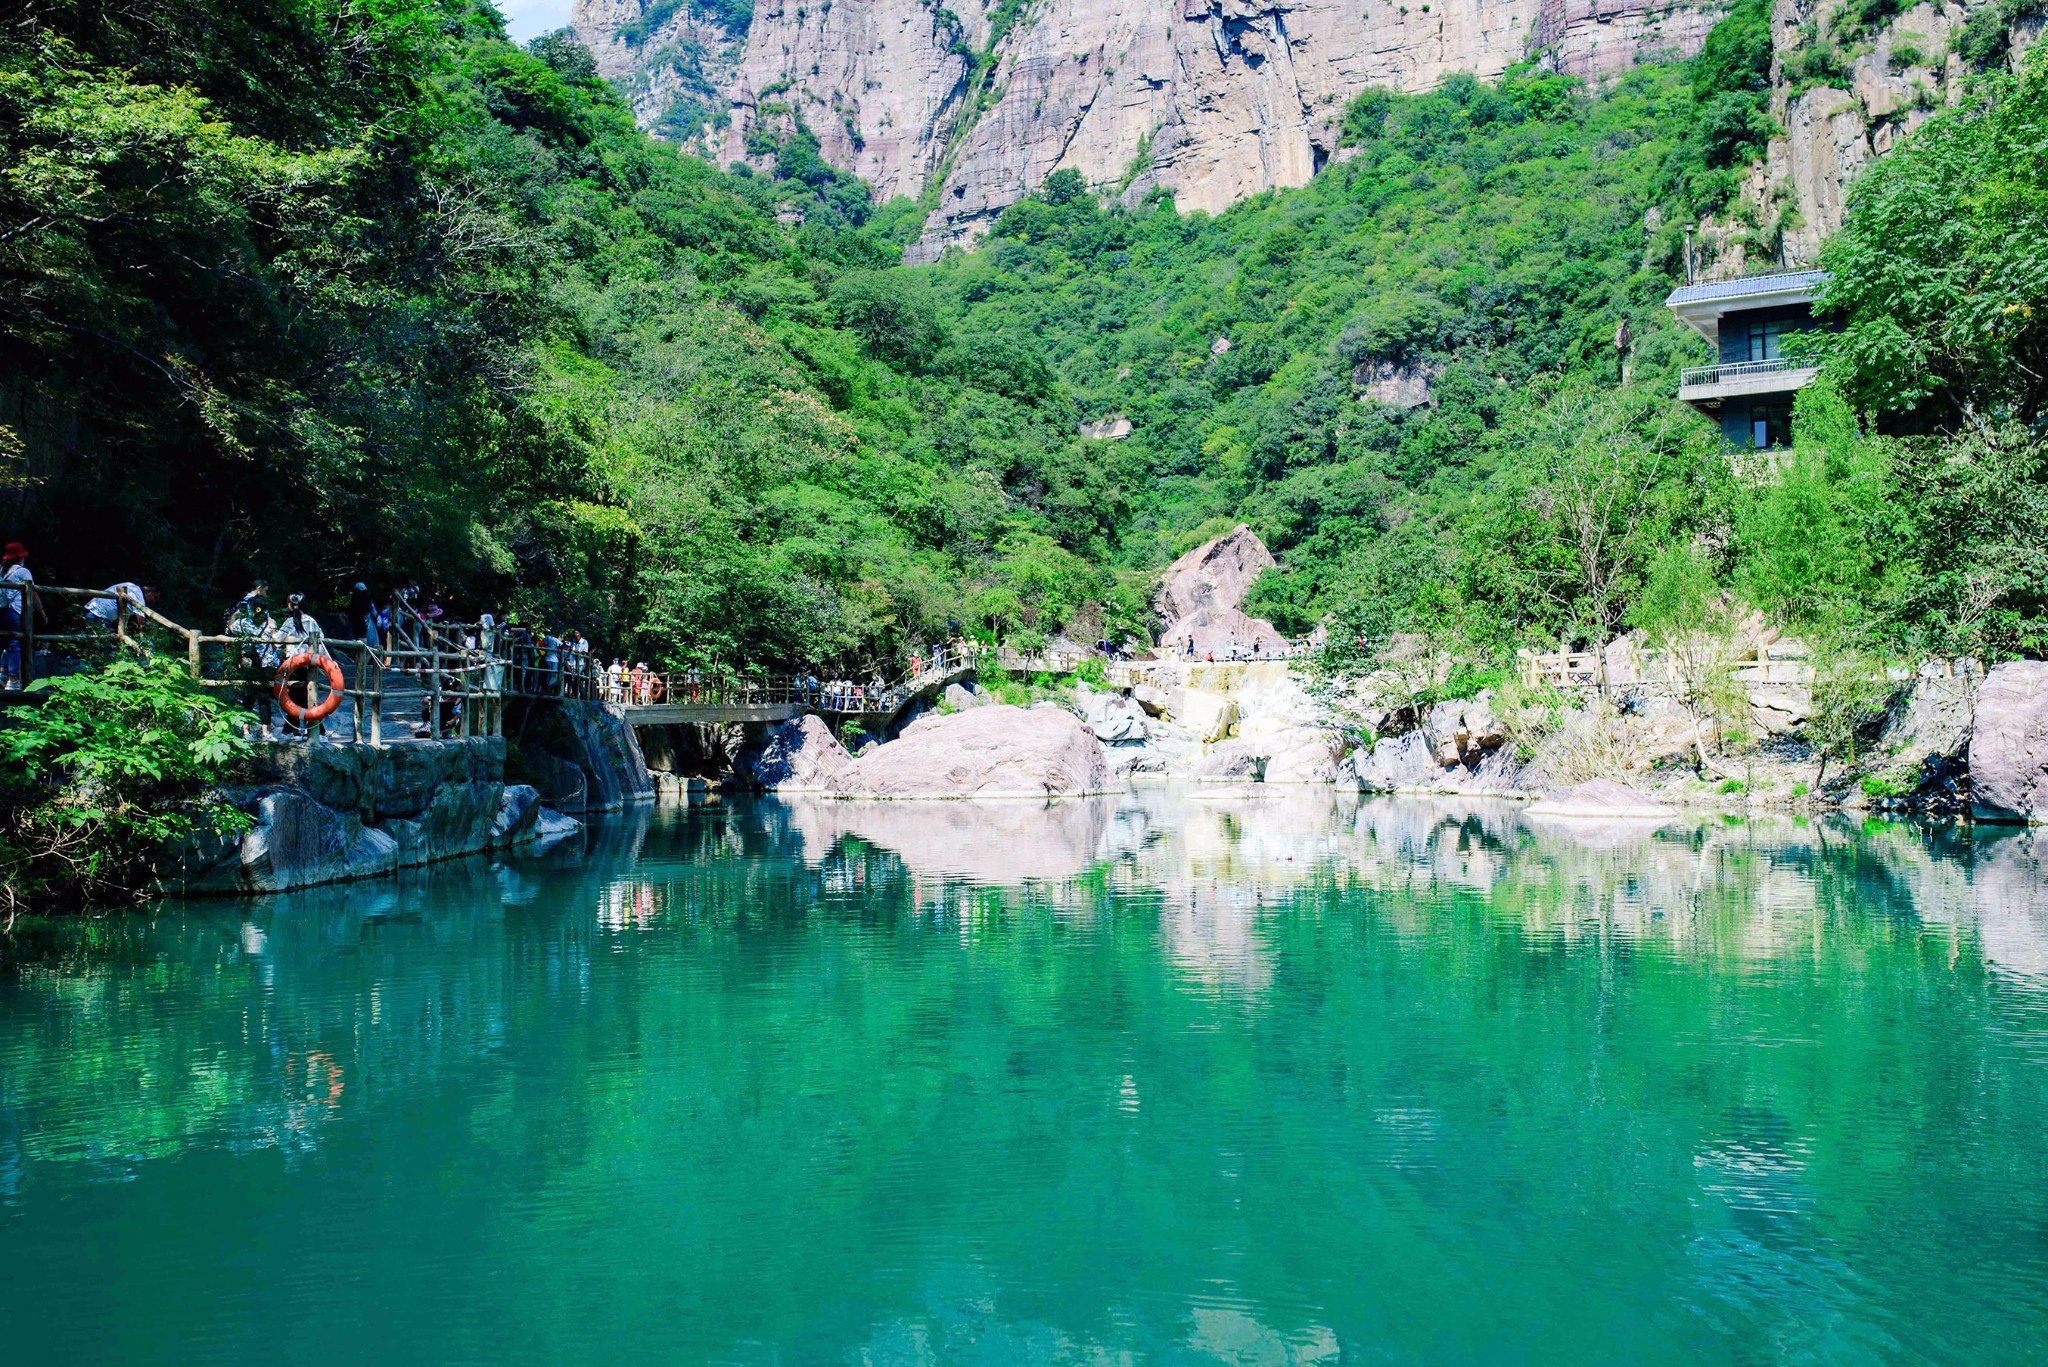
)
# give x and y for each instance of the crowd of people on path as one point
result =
(533, 661)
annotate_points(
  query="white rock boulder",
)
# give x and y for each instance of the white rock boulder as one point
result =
(1305, 754)
(2009, 744)
(1200, 593)
(1396, 764)
(1603, 798)
(1230, 762)
(994, 751)
(1209, 715)
(961, 696)
(800, 756)
(1114, 718)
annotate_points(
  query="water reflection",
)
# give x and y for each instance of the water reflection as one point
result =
(1250, 1075)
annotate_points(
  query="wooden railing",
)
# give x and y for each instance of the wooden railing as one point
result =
(455, 677)
(1783, 662)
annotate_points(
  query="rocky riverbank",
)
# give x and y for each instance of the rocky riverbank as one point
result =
(1950, 738)
(992, 751)
(329, 812)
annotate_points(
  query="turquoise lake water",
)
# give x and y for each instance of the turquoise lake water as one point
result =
(1244, 1078)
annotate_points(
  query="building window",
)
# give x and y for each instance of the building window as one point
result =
(1770, 424)
(1763, 340)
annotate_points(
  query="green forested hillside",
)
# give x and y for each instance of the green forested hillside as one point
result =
(328, 289)
(324, 289)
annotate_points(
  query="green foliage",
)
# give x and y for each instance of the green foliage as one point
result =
(1736, 56)
(1940, 271)
(102, 775)
(370, 269)
(892, 313)
(1484, 237)
(735, 16)
(373, 270)
(1897, 784)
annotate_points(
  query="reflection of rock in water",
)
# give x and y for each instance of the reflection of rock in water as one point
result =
(2009, 893)
(1214, 860)
(1458, 842)
(981, 842)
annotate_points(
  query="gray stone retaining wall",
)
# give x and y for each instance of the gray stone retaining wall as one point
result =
(327, 812)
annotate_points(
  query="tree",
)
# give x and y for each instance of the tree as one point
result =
(1939, 271)
(1602, 466)
(111, 770)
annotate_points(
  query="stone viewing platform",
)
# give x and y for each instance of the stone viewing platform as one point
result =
(330, 811)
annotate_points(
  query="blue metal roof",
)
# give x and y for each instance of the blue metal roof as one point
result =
(1777, 283)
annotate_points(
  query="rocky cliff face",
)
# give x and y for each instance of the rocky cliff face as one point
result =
(1212, 100)
(1844, 99)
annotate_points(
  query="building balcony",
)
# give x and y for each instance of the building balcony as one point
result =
(1707, 385)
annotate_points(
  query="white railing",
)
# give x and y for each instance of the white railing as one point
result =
(1695, 376)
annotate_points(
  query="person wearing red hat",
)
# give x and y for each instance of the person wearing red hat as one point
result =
(14, 604)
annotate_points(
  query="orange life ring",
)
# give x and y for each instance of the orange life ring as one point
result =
(321, 710)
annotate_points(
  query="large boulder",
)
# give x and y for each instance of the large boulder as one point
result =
(800, 756)
(459, 819)
(1464, 731)
(551, 828)
(2009, 744)
(1215, 574)
(1305, 754)
(1209, 715)
(961, 696)
(1483, 729)
(1200, 593)
(1603, 798)
(563, 785)
(1395, 764)
(583, 756)
(1444, 724)
(1114, 718)
(1928, 723)
(518, 807)
(1230, 762)
(994, 751)
(295, 842)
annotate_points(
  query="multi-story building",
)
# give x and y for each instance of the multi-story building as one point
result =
(1749, 390)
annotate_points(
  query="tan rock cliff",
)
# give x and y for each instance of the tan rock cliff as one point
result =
(1212, 100)
(1895, 80)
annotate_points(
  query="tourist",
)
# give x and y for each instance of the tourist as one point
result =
(615, 680)
(487, 646)
(256, 660)
(517, 643)
(15, 604)
(639, 677)
(104, 613)
(579, 647)
(299, 630)
(362, 612)
(258, 595)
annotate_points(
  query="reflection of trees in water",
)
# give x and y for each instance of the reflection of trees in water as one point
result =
(1239, 1021)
